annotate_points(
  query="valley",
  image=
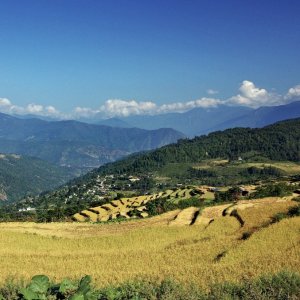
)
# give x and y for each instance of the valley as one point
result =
(149, 150)
(22, 176)
(75, 144)
(200, 212)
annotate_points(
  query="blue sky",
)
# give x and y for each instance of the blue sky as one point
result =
(147, 56)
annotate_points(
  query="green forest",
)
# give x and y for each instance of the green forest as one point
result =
(279, 142)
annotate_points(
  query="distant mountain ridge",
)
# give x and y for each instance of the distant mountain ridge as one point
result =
(263, 116)
(22, 175)
(86, 145)
(114, 122)
(77, 144)
(191, 122)
(200, 121)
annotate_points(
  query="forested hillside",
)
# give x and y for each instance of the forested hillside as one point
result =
(21, 176)
(240, 154)
(280, 141)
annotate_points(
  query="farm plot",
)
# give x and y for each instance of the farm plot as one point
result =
(252, 215)
(134, 207)
(150, 248)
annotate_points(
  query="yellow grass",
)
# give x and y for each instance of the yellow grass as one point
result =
(208, 195)
(215, 211)
(185, 217)
(92, 216)
(167, 193)
(150, 247)
(210, 163)
(260, 213)
(289, 167)
(99, 210)
(80, 218)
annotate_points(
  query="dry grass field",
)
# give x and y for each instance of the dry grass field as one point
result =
(203, 253)
(288, 166)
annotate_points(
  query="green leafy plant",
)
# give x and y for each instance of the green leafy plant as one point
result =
(282, 285)
(67, 287)
(84, 291)
(37, 289)
(40, 289)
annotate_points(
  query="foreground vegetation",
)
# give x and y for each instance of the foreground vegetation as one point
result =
(283, 285)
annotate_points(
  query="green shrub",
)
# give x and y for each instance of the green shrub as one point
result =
(278, 217)
(273, 190)
(294, 211)
(280, 286)
(152, 290)
(185, 203)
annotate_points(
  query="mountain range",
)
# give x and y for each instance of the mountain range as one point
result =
(200, 121)
(86, 146)
(277, 142)
(77, 144)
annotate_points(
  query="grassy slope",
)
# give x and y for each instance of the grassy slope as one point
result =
(119, 252)
(223, 166)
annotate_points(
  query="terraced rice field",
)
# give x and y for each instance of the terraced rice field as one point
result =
(251, 214)
(133, 207)
(193, 251)
(186, 216)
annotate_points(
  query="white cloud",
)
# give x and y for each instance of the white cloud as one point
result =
(254, 97)
(184, 106)
(51, 110)
(249, 95)
(293, 93)
(212, 92)
(84, 112)
(123, 108)
(35, 109)
(117, 107)
(4, 102)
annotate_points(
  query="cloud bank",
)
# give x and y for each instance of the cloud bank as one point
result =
(248, 95)
(33, 109)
